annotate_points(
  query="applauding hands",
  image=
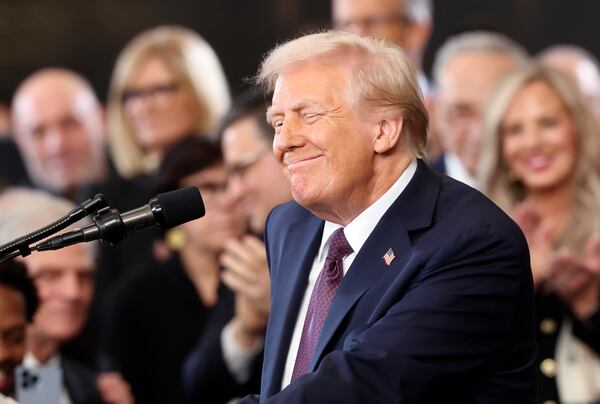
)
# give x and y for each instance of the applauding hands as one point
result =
(575, 278)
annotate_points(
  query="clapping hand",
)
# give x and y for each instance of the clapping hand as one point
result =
(575, 280)
(246, 273)
(540, 233)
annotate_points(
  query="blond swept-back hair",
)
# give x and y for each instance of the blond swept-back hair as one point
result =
(197, 69)
(506, 191)
(383, 77)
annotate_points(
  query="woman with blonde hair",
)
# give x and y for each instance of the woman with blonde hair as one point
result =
(167, 84)
(541, 164)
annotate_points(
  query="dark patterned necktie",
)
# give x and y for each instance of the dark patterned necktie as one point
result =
(322, 295)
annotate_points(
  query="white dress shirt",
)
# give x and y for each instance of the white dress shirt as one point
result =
(32, 363)
(356, 232)
(457, 170)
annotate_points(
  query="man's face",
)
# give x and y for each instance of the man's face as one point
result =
(65, 283)
(13, 322)
(59, 131)
(384, 19)
(465, 86)
(256, 179)
(323, 142)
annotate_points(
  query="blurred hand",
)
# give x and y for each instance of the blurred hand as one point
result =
(576, 281)
(246, 273)
(114, 389)
(540, 233)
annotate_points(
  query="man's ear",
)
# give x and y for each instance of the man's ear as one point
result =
(389, 133)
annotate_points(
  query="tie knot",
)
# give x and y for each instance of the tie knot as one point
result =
(338, 246)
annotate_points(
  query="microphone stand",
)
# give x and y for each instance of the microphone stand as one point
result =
(21, 245)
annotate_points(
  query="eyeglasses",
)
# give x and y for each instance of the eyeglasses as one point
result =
(156, 92)
(212, 190)
(240, 169)
(372, 22)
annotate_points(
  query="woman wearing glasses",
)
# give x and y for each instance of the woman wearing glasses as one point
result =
(167, 84)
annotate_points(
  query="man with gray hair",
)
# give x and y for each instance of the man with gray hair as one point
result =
(465, 72)
(390, 283)
(59, 130)
(407, 23)
(65, 283)
(580, 65)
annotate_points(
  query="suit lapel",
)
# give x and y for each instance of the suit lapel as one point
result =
(296, 260)
(412, 210)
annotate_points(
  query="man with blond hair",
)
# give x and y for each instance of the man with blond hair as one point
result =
(390, 283)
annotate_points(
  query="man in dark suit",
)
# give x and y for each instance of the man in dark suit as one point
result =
(466, 70)
(390, 283)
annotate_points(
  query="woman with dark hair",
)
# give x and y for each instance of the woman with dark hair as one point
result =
(164, 311)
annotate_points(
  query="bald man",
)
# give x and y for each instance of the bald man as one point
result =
(580, 65)
(59, 130)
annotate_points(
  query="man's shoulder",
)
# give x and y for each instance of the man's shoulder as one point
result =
(288, 213)
(461, 208)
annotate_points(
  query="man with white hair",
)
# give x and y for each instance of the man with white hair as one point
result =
(65, 283)
(390, 283)
(407, 23)
(580, 65)
(465, 72)
(59, 130)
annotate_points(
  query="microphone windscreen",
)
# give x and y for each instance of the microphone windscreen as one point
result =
(180, 206)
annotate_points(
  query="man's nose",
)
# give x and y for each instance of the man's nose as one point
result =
(70, 288)
(55, 140)
(5, 350)
(235, 188)
(289, 136)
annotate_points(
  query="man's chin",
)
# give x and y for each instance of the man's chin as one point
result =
(257, 225)
(7, 382)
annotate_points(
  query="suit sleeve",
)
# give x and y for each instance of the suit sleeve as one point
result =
(206, 377)
(470, 300)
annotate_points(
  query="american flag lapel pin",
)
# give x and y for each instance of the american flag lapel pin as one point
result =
(388, 257)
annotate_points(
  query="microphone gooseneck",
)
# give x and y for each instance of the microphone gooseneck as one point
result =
(167, 210)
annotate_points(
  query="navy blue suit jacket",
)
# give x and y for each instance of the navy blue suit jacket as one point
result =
(450, 320)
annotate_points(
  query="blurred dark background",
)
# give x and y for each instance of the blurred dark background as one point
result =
(88, 35)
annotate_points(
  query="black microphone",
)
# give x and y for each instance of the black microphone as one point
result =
(167, 210)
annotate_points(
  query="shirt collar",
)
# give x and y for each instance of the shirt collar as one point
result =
(457, 170)
(359, 229)
(31, 362)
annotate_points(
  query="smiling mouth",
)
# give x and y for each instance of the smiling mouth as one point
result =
(297, 162)
(538, 163)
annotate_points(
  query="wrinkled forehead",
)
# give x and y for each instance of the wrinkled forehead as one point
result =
(75, 259)
(41, 105)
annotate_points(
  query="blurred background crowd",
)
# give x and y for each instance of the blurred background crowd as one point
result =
(136, 98)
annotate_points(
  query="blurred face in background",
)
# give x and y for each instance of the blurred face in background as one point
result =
(59, 130)
(223, 219)
(539, 139)
(158, 106)
(384, 19)
(465, 85)
(256, 178)
(65, 284)
(13, 322)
